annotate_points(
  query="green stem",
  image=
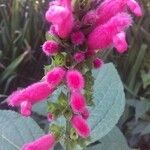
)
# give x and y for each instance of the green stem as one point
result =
(67, 134)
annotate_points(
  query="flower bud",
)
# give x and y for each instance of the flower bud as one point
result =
(50, 48)
(75, 80)
(79, 57)
(97, 63)
(81, 126)
(77, 38)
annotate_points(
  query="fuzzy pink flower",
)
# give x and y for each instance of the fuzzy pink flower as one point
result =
(55, 76)
(79, 56)
(26, 108)
(75, 80)
(97, 63)
(77, 102)
(81, 126)
(33, 94)
(85, 113)
(135, 7)
(120, 42)
(52, 30)
(45, 142)
(77, 38)
(50, 48)
(102, 36)
(110, 8)
(60, 15)
(90, 18)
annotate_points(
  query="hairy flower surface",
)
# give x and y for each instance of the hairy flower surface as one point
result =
(55, 76)
(50, 48)
(77, 38)
(33, 94)
(60, 15)
(102, 36)
(45, 142)
(75, 80)
(79, 57)
(81, 126)
(26, 108)
(110, 8)
(77, 102)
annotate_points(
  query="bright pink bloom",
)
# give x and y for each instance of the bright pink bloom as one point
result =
(120, 42)
(77, 38)
(60, 15)
(97, 63)
(90, 18)
(26, 108)
(50, 48)
(81, 126)
(134, 7)
(33, 94)
(85, 113)
(55, 76)
(77, 102)
(102, 36)
(110, 8)
(79, 57)
(52, 30)
(75, 80)
(45, 142)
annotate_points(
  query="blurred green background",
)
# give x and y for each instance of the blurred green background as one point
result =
(22, 31)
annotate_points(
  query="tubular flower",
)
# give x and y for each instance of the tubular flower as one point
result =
(97, 63)
(102, 36)
(25, 98)
(60, 15)
(77, 102)
(120, 43)
(55, 76)
(110, 8)
(45, 142)
(50, 48)
(81, 126)
(79, 57)
(75, 80)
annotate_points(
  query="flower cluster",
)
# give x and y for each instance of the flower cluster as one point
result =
(73, 42)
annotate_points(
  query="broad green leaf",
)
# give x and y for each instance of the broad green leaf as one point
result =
(16, 130)
(114, 140)
(109, 101)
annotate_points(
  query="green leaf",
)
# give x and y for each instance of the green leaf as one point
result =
(114, 140)
(17, 130)
(109, 100)
(12, 67)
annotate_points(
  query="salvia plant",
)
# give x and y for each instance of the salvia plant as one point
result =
(85, 96)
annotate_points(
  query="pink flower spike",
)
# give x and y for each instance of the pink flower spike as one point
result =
(75, 80)
(79, 57)
(45, 142)
(55, 76)
(50, 48)
(120, 42)
(135, 8)
(81, 126)
(97, 63)
(85, 113)
(26, 108)
(77, 38)
(77, 102)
